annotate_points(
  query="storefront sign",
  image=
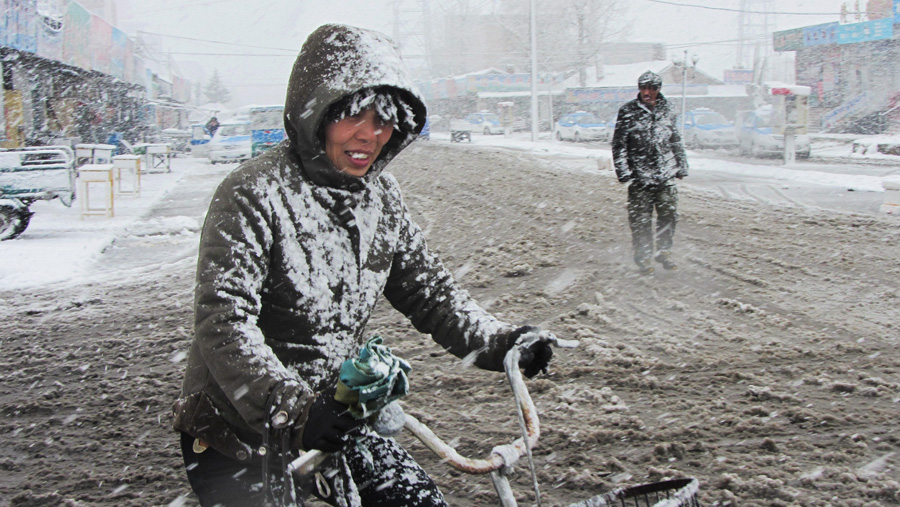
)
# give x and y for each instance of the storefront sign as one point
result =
(18, 25)
(831, 118)
(877, 29)
(585, 95)
(820, 34)
(77, 36)
(119, 49)
(738, 76)
(499, 83)
(788, 40)
(101, 44)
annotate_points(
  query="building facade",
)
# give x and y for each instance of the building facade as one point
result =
(69, 75)
(851, 68)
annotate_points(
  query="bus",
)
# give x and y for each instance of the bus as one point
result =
(266, 127)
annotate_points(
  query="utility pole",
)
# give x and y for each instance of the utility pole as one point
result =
(534, 94)
(412, 35)
(754, 31)
(685, 64)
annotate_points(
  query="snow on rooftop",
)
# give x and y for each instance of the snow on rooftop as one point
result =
(621, 76)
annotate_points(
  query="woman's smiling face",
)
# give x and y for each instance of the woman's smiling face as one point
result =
(354, 142)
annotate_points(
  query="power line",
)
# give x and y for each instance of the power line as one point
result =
(293, 50)
(182, 6)
(230, 54)
(730, 9)
(258, 85)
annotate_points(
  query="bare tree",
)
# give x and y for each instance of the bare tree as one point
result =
(571, 33)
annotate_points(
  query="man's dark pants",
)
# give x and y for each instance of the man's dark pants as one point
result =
(642, 200)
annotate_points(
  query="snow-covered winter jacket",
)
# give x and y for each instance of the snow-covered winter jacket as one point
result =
(647, 145)
(294, 254)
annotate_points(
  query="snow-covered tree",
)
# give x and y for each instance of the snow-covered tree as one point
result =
(215, 91)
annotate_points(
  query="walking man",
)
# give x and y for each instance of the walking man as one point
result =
(648, 152)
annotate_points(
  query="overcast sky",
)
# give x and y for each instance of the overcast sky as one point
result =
(274, 30)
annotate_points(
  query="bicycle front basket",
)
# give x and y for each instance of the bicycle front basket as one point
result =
(671, 493)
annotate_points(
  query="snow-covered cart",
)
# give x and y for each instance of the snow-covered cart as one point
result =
(460, 130)
(33, 174)
(681, 492)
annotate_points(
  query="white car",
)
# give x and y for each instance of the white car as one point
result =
(485, 122)
(582, 126)
(231, 143)
(705, 128)
(756, 137)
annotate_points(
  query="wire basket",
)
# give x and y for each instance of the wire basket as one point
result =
(671, 493)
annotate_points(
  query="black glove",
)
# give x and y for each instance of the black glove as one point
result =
(534, 350)
(328, 423)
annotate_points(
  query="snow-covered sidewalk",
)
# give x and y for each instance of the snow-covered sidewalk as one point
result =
(775, 171)
(59, 244)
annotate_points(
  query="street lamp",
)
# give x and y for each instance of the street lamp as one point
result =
(684, 64)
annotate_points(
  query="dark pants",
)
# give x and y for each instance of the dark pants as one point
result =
(384, 473)
(642, 200)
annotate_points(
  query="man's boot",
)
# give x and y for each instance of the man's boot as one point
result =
(665, 258)
(644, 267)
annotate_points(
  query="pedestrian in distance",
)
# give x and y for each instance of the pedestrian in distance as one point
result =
(296, 248)
(212, 126)
(649, 154)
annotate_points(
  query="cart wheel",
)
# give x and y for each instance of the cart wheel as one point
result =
(13, 221)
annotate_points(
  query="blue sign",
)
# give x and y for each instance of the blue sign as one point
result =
(612, 94)
(820, 34)
(876, 29)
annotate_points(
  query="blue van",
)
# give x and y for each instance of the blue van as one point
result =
(266, 128)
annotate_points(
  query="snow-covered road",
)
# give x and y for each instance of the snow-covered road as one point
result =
(834, 179)
(765, 366)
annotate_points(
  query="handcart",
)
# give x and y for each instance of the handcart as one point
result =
(670, 493)
(39, 173)
(460, 130)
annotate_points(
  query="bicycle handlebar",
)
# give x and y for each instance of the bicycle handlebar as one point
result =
(504, 455)
(501, 455)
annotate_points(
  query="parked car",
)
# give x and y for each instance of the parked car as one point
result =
(485, 122)
(582, 126)
(756, 137)
(705, 128)
(231, 143)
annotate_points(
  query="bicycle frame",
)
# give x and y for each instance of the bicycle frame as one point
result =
(670, 493)
(501, 459)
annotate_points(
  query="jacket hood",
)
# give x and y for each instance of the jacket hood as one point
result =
(337, 61)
